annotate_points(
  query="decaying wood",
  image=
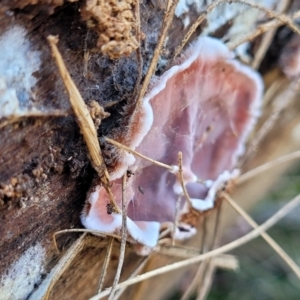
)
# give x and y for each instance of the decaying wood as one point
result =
(45, 170)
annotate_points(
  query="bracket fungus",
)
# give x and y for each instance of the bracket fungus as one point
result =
(204, 106)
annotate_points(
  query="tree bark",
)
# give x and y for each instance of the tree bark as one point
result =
(45, 171)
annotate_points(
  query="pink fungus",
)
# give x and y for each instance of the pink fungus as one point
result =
(204, 106)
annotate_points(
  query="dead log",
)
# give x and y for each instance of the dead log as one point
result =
(45, 171)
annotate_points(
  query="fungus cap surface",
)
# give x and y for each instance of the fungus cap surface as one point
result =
(204, 106)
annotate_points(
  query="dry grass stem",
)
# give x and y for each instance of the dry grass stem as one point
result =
(202, 269)
(204, 233)
(268, 38)
(272, 92)
(263, 48)
(177, 218)
(94, 232)
(84, 121)
(81, 111)
(194, 26)
(282, 101)
(196, 280)
(168, 17)
(287, 20)
(228, 247)
(86, 55)
(280, 20)
(86, 58)
(269, 165)
(129, 150)
(180, 175)
(205, 287)
(223, 261)
(105, 265)
(165, 232)
(123, 239)
(139, 268)
(226, 262)
(259, 30)
(138, 50)
(34, 114)
(217, 228)
(48, 283)
(177, 251)
(287, 259)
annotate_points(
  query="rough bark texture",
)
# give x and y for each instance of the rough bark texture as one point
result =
(45, 171)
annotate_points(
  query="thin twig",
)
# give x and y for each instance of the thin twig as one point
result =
(84, 121)
(217, 228)
(287, 259)
(226, 262)
(204, 233)
(168, 17)
(177, 218)
(194, 26)
(208, 280)
(192, 286)
(138, 50)
(282, 101)
(177, 251)
(208, 276)
(86, 58)
(201, 268)
(228, 247)
(133, 274)
(129, 150)
(94, 232)
(32, 114)
(259, 30)
(105, 265)
(86, 55)
(201, 275)
(180, 175)
(269, 165)
(165, 232)
(281, 19)
(273, 90)
(123, 240)
(271, 14)
(223, 261)
(263, 47)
